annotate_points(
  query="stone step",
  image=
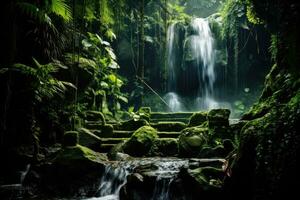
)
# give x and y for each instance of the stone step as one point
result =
(165, 115)
(122, 134)
(112, 140)
(185, 120)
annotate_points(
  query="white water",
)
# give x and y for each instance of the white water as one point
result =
(115, 177)
(204, 52)
(171, 58)
(174, 102)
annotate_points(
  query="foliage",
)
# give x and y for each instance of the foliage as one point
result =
(99, 60)
(44, 84)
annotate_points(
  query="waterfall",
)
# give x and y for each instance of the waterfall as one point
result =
(197, 77)
(171, 53)
(204, 52)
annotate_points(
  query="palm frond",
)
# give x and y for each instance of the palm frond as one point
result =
(61, 8)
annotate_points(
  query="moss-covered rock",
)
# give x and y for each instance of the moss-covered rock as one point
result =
(73, 168)
(164, 147)
(132, 125)
(141, 141)
(88, 139)
(191, 141)
(169, 126)
(198, 119)
(218, 117)
(70, 138)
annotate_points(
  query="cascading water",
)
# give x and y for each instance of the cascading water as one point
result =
(204, 52)
(115, 177)
(171, 97)
(200, 47)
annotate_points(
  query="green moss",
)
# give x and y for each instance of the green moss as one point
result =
(70, 138)
(141, 141)
(191, 141)
(218, 117)
(169, 126)
(198, 119)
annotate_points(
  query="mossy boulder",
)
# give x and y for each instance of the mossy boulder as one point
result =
(218, 117)
(169, 126)
(88, 139)
(70, 138)
(141, 141)
(164, 147)
(132, 125)
(73, 168)
(192, 140)
(197, 119)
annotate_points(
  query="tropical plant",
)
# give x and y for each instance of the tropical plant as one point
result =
(43, 82)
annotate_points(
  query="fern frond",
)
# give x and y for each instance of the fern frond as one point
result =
(61, 8)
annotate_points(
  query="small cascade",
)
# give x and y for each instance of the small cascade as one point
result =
(111, 182)
(17, 189)
(164, 170)
(162, 188)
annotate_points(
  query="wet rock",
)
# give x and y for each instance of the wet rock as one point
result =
(212, 162)
(191, 141)
(71, 169)
(198, 119)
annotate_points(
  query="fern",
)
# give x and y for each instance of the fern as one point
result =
(44, 84)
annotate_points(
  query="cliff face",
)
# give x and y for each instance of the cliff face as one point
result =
(266, 165)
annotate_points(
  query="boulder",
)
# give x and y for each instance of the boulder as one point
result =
(197, 119)
(192, 140)
(141, 141)
(73, 168)
(164, 147)
(218, 117)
